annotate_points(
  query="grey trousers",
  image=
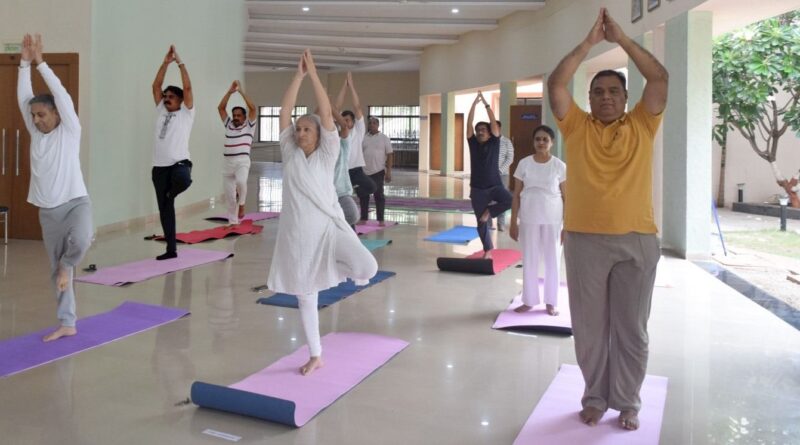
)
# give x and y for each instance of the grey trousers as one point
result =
(350, 209)
(67, 231)
(610, 280)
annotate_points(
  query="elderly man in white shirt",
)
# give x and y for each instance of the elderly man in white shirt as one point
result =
(56, 187)
(378, 157)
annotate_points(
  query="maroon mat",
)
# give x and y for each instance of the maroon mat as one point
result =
(198, 236)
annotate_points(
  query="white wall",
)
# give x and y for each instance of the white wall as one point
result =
(129, 41)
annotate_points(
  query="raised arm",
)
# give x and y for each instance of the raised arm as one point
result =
(471, 116)
(64, 104)
(654, 96)
(558, 82)
(158, 83)
(188, 96)
(290, 96)
(492, 120)
(356, 101)
(323, 103)
(251, 107)
(344, 132)
(24, 87)
(340, 97)
(223, 104)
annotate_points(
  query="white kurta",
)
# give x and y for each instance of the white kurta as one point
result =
(305, 257)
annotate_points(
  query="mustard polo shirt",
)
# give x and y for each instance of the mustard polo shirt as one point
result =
(610, 185)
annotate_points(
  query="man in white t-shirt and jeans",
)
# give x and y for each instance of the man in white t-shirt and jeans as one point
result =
(378, 156)
(363, 184)
(239, 131)
(172, 169)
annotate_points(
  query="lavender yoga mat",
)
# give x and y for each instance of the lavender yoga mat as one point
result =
(278, 393)
(29, 351)
(555, 420)
(537, 318)
(128, 273)
(428, 204)
(254, 216)
(372, 226)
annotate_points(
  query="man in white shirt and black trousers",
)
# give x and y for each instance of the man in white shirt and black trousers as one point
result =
(56, 187)
(172, 169)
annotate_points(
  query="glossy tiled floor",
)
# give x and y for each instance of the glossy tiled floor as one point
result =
(734, 368)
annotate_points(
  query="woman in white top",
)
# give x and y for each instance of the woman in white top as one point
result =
(537, 213)
(315, 249)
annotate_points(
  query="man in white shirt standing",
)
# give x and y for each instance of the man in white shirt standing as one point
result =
(56, 187)
(363, 184)
(505, 160)
(239, 131)
(378, 156)
(172, 169)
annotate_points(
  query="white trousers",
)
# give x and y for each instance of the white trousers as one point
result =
(540, 240)
(353, 260)
(234, 178)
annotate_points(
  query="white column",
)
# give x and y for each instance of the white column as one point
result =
(448, 124)
(508, 97)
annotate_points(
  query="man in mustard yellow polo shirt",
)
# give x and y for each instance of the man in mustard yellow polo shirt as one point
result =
(610, 243)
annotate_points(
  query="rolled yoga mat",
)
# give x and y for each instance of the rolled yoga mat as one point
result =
(246, 227)
(456, 235)
(555, 419)
(375, 244)
(501, 259)
(279, 393)
(29, 351)
(372, 226)
(329, 296)
(254, 216)
(137, 271)
(536, 319)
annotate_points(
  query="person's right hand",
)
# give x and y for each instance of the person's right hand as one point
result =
(513, 232)
(311, 68)
(170, 57)
(302, 70)
(27, 48)
(234, 87)
(349, 78)
(597, 34)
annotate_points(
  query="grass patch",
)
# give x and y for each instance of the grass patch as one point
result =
(773, 242)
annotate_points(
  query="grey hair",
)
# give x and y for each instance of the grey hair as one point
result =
(46, 99)
(316, 119)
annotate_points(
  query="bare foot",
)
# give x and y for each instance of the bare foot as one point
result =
(523, 308)
(485, 217)
(382, 223)
(241, 211)
(312, 364)
(487, 254)
(63, 331)
(591, 416)
(629, 420)
(62, 279)
(551, 310)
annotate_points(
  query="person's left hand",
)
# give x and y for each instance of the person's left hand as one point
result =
(37, 49)
(613, 32)
(388, 178)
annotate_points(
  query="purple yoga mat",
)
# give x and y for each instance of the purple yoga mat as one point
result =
(349, 358)
(254, 216)
(537, 318)
(372, 226)
(145, 269)
(555, 419)
(460, 205)
(29, 351)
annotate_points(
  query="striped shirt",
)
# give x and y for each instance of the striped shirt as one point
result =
(506, 155)
(238, 139)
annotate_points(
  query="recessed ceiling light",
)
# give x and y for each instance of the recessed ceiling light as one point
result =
(306, 9)
(454, 10)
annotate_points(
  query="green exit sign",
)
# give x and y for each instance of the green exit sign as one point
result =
(12, 47)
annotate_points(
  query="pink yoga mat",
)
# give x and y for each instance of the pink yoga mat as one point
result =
(501, 258)
(145, 269)
(372, 226)
(254, 216)
(537, 319)
(198, 236)
(274, 392)
(555, 419)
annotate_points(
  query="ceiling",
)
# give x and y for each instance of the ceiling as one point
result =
(365, 35)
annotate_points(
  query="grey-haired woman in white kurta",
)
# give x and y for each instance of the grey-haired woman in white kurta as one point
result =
(316, 249)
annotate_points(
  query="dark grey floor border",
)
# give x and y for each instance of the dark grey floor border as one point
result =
(777, 307)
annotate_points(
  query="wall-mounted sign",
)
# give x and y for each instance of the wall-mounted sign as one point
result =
(529, 117)
(14, 47)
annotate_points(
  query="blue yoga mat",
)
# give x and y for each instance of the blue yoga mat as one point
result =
(375, 244)
(327, 297)
(456, 235)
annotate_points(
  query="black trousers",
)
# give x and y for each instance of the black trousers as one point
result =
(362, 183)
(380, 199)
(480, 202)
(170, 182)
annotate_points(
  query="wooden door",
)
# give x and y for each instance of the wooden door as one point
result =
(435, 142)
(9, 114)
(24, 217)
(524, 119)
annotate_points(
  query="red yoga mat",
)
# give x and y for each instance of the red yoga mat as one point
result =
(198, 236)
